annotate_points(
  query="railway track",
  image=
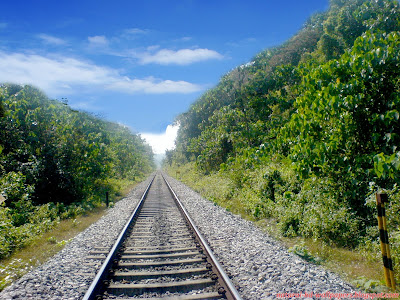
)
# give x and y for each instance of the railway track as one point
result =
(160, 254)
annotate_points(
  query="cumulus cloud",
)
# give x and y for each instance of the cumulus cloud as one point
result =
(59, 74)
(179, 57)
(185, 39)
(135, 31)
(98, 41)
(163, 141)
(52, 40)
(90, 105)
(151, 85)
(50, 74)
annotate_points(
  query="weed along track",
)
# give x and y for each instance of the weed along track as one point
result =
(160, 254)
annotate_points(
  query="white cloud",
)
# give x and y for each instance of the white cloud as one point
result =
(59, 74)
(151, 85)
(98, 41)
(134, 31)
(153, 47)
(180, 57)
(90, 105)
(50, 74)
(163, 141)
(52, 40)
(186, 39)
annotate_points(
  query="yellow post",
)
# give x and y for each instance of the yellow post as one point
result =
(384, 238)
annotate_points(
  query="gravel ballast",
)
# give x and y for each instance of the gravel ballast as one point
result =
(259, 266)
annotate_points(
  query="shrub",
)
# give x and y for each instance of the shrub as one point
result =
(13, 186)
(316, 211)
(14, 235)
(5, 227)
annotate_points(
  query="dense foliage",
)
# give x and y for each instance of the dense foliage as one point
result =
(56, 162)
(307, 132)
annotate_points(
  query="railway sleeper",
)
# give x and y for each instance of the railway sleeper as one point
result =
(159, 251)
(137, 265)
(162, 287)
(157, 256)
(131, 251)
(175, 236)
(118, 275)
(157, 247)
(205, 296)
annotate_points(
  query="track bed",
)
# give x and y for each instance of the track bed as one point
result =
(160, 256)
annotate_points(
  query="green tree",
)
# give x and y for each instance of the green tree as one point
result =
(348, 114)
(65, 155)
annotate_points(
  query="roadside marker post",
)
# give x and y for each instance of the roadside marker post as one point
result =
(381, 199)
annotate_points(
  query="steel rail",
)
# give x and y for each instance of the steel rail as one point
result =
(97, 288)
(229, 289)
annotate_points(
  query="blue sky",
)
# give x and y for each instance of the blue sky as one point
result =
(139, 63)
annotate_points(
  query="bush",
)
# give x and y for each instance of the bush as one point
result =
(14, 188)
(14, 235)
(316, 211)
(5, 227)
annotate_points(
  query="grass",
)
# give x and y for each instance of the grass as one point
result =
(51, 242)
(363, 269)
(44, 247)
